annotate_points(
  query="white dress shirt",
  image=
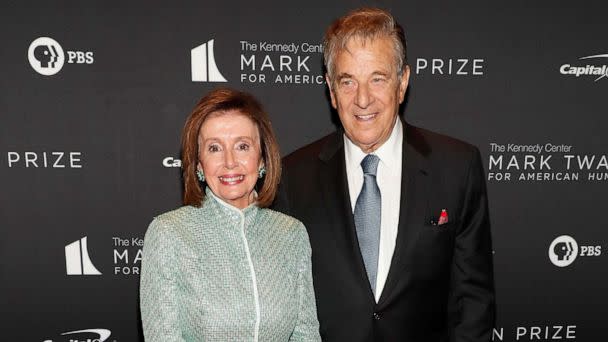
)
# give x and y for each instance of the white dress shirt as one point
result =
(388, 177)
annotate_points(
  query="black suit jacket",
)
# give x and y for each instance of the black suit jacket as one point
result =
(440, 282)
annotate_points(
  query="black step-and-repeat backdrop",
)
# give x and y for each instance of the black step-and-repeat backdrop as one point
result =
(94, 96)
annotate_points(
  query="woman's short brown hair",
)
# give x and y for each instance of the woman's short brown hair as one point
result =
(221, 100)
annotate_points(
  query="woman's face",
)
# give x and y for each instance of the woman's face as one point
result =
(230, 156)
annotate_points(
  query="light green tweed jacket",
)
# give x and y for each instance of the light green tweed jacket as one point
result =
(217, 273)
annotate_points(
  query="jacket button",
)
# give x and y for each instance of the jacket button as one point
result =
(376, 316)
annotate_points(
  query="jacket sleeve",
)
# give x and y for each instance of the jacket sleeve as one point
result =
(281, 201)
(472, 282)
(158, 288)
(307, 325)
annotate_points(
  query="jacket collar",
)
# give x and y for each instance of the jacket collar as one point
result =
(220, 207)
(415, 148)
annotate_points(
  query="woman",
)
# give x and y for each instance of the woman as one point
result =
(223, 267)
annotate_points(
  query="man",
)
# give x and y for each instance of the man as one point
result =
(397, 216)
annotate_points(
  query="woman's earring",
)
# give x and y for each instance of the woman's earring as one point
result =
(200, 175)
(261, 172)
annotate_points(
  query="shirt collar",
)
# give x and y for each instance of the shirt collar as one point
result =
(386, 152)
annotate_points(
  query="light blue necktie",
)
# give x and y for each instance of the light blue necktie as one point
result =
(367, 218)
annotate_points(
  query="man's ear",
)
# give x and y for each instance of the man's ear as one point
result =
(403, 82)
(331, 92)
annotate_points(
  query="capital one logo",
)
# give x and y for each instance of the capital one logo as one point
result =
(77, 260)
(563, 251)
(46, 56)
(102, 335)
(595, 66)
(204, 67)
(172, 162)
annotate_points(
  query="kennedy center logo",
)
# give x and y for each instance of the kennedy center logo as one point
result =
(204, 67)
(77, 260)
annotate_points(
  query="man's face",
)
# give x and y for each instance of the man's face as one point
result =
(367, 91)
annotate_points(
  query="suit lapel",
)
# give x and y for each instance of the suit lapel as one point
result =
(415, 182)
(334, 183)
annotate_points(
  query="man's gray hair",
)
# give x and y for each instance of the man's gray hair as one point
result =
(366, 24)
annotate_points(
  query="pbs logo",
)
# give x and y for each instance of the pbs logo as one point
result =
(47, 57)
(564, 250)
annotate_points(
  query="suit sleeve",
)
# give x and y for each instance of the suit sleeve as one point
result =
(307, 326)
(281, 202)
(158, 288)
(472, 303)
